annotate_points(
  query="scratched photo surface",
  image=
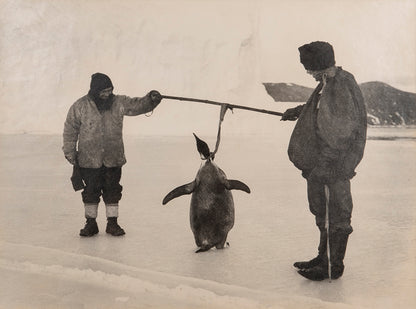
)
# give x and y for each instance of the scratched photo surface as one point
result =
(222, 51)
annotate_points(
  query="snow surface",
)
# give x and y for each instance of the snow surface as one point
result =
(45, 264)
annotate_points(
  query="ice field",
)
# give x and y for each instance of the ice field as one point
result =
(45, 264)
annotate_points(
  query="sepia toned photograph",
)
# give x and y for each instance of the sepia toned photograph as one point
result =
(207, 154)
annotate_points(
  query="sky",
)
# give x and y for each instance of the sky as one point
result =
(215, 50)
(373, 39)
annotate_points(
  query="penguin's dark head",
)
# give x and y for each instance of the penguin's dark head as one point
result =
(203, 149)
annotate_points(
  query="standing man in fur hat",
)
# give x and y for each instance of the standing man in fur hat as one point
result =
(327, 144)
(93, 140)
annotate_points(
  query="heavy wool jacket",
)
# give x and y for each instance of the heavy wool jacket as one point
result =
(97, 136)
(331, 129)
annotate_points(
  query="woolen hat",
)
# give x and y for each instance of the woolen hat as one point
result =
(317, 56)
(100, 81)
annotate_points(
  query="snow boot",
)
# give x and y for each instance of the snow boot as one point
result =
(309, 264)
(320, 272)
(338, 246)
(113, 228)
(90, 228)
(321, 258)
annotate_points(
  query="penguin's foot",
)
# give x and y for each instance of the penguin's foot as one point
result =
(222, 245)
(203, 249)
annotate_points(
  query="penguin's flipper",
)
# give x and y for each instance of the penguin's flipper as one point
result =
(179, 191)
(236, 185)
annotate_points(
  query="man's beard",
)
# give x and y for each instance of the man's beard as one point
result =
(102, 104)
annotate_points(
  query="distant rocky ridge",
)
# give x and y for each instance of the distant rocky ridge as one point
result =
(386, 106)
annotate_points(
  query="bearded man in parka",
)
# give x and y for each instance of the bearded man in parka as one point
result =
(93, 144)
(327, 144)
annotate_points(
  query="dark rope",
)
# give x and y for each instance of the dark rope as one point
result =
(224, 108)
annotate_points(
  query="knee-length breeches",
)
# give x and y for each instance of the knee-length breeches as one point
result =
(340, 205)
(103, 181)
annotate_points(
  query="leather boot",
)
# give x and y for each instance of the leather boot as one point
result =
(338, 246)
(90, 228)
(113, 228)
(321, 258)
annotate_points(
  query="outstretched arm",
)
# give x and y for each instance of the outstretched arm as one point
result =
(292, 113)
(136, 106)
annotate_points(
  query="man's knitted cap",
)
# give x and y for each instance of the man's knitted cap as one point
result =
(317, 56)
(100, 81)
